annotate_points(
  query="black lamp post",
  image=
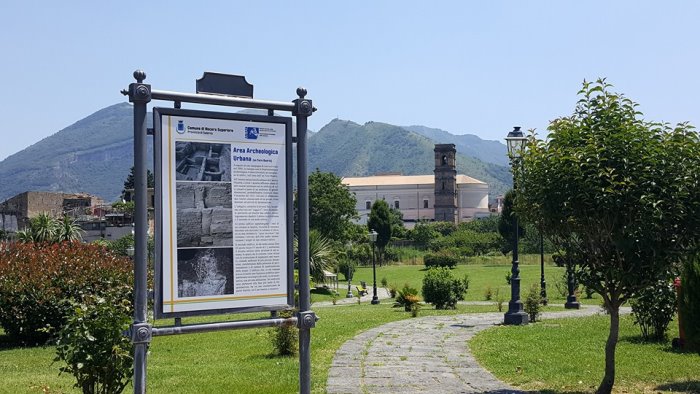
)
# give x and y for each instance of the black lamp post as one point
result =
(571, 300)
(543, 283)
(515, 315)
(373, 239)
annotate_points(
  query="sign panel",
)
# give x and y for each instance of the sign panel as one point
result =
(224, 212)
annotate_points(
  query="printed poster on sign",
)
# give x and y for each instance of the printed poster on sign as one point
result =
(224, 210)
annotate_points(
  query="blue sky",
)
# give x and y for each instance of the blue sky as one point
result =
(463, 66)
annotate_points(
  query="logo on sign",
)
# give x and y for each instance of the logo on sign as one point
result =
(251, 133)
(180, 127)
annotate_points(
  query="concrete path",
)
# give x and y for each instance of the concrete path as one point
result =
(421, 355)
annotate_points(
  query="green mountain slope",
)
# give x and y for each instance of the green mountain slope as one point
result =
(349, 149)
(468, 144)
(92, 155)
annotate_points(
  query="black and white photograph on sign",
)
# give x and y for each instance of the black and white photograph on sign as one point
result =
(204, 215)
(200, 161)
(204, 272)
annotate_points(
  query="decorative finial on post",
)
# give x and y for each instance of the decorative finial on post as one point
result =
(139, 75)
(301, 92)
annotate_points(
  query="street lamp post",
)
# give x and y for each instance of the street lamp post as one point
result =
(349, 295)
(515, 315)
(543, 283)
(373, 239)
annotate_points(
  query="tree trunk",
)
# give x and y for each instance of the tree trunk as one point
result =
(609, 379)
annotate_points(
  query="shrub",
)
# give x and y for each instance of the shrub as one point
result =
(488, 293)
(285, 337)
(439, 260)
(443, 290)
(92, 344)
(653, 309)
(532, 302)
(509, 275)
(347, 267)
(38, 281)
(391, 254)
(689, 303)
(392, 290)
(407, 297)
(384, 282)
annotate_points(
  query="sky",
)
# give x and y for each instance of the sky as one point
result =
(478, 67)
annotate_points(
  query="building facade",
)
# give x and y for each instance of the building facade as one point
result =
(443, 196)
(15, 212)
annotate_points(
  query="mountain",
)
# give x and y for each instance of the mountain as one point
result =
(349, 149)
(94, 155)
(468, 144)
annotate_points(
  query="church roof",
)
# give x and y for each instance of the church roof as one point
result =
(396, 180)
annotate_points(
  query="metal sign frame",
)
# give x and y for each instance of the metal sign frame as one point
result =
(141, 331)
(159, 136)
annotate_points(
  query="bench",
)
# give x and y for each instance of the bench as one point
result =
(361, 289)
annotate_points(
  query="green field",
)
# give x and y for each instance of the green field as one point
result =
(240, 361)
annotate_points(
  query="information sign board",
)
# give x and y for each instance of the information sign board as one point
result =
(224, 204)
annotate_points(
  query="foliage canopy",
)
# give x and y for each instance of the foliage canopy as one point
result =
(621, 195)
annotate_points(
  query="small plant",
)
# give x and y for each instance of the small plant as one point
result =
(406, 297)
(443, 290)
(415, 308)
(653, 309)
(509, 275)
(285, 337)
(359, 297)
(532, 302)
(392, 290)
(500, 299)
(488, 293)
(92, 345)
(334, 298)
(384, 282)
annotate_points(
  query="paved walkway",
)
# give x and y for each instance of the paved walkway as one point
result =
(421, 355)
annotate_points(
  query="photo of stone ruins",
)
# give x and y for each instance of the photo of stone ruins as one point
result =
(199, 161)
(204, 214)
(204, 272)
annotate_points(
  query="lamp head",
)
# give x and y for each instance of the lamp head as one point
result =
(515, 142)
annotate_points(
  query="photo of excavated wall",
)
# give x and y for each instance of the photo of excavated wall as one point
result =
(200, 161)
(204, 214)
(204, 272)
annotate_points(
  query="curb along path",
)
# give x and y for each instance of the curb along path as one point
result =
(421, 355)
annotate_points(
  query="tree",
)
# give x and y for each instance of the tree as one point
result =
(321, 255)
(380, 221)
(130, 180)
(507, 222)
(331, 205)
(397, 227)
(45, 228)
(68, 229)
(622, 194)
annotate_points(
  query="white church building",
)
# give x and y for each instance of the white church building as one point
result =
(443, 196)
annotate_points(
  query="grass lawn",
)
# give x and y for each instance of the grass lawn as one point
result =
(227, 361)
(480, 277)
(567, 356)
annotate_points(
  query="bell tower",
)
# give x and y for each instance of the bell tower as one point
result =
(446, 183)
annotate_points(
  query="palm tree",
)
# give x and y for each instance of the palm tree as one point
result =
(42, 228)
(321, 255)
(68, 230)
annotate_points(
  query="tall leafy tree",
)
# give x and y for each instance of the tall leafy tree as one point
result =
(331, 205)
(623, 194)
(130, 179)
(380, 220)
(506, 222)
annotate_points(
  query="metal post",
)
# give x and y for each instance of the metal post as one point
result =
(543, 283)
(515, 314)
(140, 95)
(306, 319)
(375, 299)
(349, 295)
(571, 300)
